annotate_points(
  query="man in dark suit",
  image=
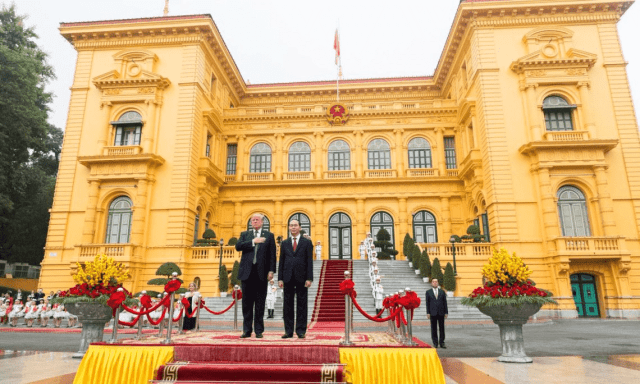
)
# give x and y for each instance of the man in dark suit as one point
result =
(295, 274)
(257, 266)
(436, 312)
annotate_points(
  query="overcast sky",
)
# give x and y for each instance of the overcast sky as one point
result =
(282, 41)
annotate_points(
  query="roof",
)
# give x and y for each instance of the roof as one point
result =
(350, 81)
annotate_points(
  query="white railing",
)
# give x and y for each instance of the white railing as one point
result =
(228, 178)
(445, 250)
(89, 251)
(452, 172)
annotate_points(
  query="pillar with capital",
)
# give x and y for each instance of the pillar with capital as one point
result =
(278, 154)
(442, 162)
(358, 156)
(361, 231)
(319, 154)
(318, 226)
(237, 218)
(446, 217)
(532, 112)
(589, 124)
(549, 208)
(88, 229)
(400, 152)
(138, 219)
(606, 204)
(106, 113)
(277, 212)
(149, 131)
(403, 218)
(240, 157)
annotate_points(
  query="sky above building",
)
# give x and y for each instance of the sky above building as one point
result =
(289, 41)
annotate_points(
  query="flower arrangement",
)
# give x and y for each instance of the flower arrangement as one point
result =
(96, 281)
(507, 282)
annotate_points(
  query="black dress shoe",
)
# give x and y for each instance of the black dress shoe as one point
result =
(245, 335)
(285, 336)
(259, 336)
(301, 336)
(435, 345)
(443, 346)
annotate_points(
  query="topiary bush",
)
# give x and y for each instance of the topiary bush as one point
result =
(425, 264)
(436, 271)
(449, 283)
(415, 255)
(223, 283)
(234, 274)
(407, 247)
(233, 241)
(384, 243)
(209, 234)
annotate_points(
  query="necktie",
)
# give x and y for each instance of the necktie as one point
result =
(435, 291)
(255, 251)
(295, 244)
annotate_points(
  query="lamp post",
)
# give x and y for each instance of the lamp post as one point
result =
(220, 266)
(452, 240)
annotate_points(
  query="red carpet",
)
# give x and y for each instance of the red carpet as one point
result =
(256, 353)
(328, 311)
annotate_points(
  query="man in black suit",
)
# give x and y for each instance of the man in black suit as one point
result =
(257, 266)
(295, 274)
(436, 312)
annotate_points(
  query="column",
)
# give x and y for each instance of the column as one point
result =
(318, 227)
(104, 119)
(320, 157)
(88, 229)
(446, 218)
(241, 157)
(279, 156)
(533, 112)
(278, 223)
(361, 230)
(140, 209)
(403, 218)
(358, 154)
(148, 130)
(442, 163)
(549, 208)
(237, 218)
(400, 152)
(606, 204)
(587, 114)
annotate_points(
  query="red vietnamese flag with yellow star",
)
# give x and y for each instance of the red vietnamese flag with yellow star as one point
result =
(336, 46)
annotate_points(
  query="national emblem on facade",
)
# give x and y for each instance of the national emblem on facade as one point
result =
(337, 114)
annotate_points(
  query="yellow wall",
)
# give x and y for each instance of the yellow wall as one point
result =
(487, 92)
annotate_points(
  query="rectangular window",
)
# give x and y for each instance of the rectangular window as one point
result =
(450, 152)
(299, 162)
(339, 161)
(379, 160)
(208, 148)
(420, 158)
(127, 136)
(485, 227)
(260, 163)
(232, 156)
(558, 120)
(20, 271)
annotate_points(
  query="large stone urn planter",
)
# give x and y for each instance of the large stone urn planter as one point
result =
(93, 317)
(510, 319)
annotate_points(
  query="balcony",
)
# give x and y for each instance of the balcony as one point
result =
(445, 250)
(567, 136)
(211, 254)
(422, 172)
(263, 176)
(339, 175)
(298, 175)
(229, 178)
(380, 173)
(122, 150)
(120, 252)
(602, 247)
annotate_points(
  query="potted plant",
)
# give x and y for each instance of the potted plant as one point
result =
(223, 282)
(234, 274)
(95, 282)
(509, 298)
(449, 281)
(425, 266)
(415, 255)
(407, 249)
(167, 269)
(436, 271)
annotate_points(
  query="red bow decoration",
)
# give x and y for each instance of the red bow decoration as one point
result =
(172, 286)
(235, 293)
(145, 300)
(347, 288)
(410, 300)
(116, 299)
(185, 302)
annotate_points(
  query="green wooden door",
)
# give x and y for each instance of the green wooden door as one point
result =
(583, 288)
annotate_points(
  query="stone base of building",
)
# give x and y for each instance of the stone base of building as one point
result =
(623, 313)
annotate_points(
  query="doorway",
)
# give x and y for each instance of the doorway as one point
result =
(585, 295)
(340, 236)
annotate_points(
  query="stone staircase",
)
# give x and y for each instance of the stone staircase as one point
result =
(219, 303)
(397, 275)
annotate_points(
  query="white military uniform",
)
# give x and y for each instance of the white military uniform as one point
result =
(378, 295)
(318, 252)
(361, 250)
(272, 294)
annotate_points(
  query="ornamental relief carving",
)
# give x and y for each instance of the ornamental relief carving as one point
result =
(536, 73)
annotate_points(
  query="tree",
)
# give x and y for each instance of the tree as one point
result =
(415, 255)
(223, 283)
(425, 264)
(384, 243)
(29, 146)
(436, 271)
(407, 247)
(233, 241)
(234, 274)
(449, 283)
(167, 269)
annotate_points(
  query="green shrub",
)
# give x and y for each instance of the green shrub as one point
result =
(415, 255)
(407, 247)
(233, 241)
(234, 274)
(425, 264)
(223, 283)
(473, 230)
(449, 283)
(384, 243)
(209, 234)
(436, 271)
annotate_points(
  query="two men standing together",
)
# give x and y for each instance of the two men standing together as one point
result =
(257, 267)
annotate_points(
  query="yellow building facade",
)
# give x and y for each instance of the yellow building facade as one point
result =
(526, 129)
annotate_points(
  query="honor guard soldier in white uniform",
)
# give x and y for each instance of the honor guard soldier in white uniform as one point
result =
(272, 295)
(319, 250)
(378, 295)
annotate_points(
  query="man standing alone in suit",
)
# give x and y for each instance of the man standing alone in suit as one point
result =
(257, 265)
(436, 312)
(295, 273)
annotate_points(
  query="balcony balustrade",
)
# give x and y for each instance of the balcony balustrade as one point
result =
(567, 136)
(120, 252)
(339, 175)
(210, 254)
(422, 172)
(298, 175)
(380, 173)
(263, 176)
(122, 150)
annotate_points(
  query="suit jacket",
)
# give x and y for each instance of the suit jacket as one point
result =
(296, 266)
(265, 259)
(436, 306)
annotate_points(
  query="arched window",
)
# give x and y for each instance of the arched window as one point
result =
(572, 208)
(304, 221)
(339, 156)
(119, 221)
(424, 228)
(128, 129)
(381, 220)
(419, 153)
(379, 154)
(265, 224)
(196, 225)
(260, 160)
(557, 114)
(299, 157)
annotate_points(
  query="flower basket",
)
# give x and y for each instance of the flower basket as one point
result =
(93, 316)
(509, 298)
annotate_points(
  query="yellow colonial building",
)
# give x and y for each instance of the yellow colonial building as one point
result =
(526, 129)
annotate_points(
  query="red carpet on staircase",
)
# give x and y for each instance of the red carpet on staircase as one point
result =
(328, 311)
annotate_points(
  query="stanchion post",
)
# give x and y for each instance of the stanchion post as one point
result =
(171, 303)
(409, 340)
(181, 320)
(389, 322)
(403, 328)
(236, 288)
(347, 315)
(114, 333)
(196, 300)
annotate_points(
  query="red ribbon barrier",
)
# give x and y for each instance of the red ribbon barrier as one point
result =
(164, 302)
(129, 324)
(152, 322)
(221, 312)
(375, 318)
